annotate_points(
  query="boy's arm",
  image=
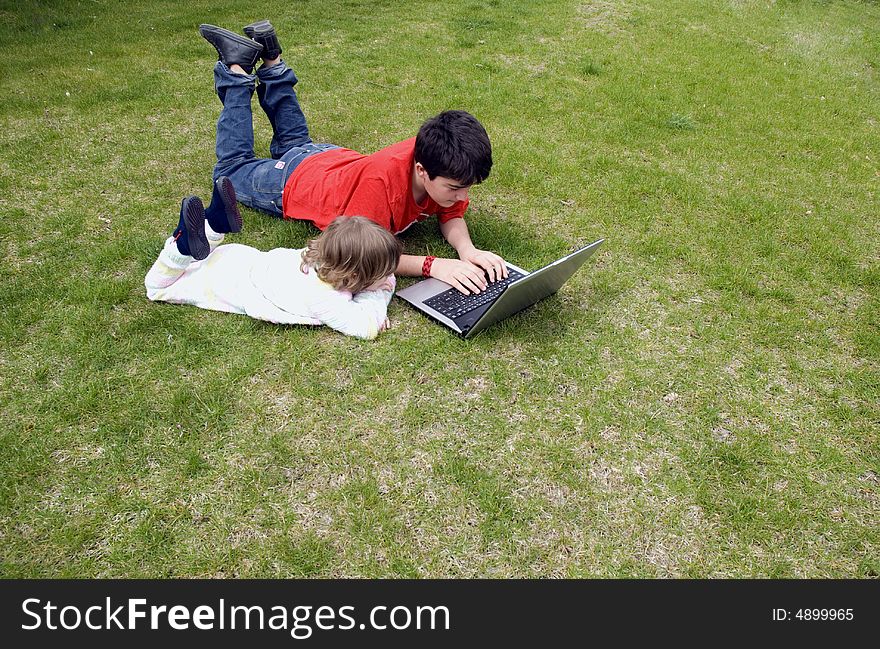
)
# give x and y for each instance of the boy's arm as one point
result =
(468, 273)
(464, 276)
(486, 263)
(456, 233)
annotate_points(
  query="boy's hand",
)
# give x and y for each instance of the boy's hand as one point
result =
(463, 275)
(490, 262)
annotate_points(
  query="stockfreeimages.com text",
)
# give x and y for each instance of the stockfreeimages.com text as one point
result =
(300, 621)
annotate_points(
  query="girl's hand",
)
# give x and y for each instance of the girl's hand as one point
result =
(385, 326)
(384, 284)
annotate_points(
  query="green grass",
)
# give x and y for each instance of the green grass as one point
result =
(703, 400)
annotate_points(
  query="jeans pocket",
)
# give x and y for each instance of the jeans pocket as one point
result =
(268, 178)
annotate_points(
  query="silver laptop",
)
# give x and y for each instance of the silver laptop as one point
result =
(468, 315)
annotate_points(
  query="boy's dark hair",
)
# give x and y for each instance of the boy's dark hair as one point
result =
(454, 145)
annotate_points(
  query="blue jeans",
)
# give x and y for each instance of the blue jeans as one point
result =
(259, 182)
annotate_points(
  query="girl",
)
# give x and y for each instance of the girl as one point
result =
(343, 278)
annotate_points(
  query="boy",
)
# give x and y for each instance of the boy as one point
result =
(406, 182)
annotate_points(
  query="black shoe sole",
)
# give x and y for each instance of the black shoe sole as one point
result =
(194, 222)
(230, 204)
(263, 32)
(261, 27)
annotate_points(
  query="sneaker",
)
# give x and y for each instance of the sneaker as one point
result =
(232, 48)
(263, 33)
(190, 233)
(222, 214)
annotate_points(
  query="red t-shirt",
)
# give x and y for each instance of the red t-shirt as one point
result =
(342, 182)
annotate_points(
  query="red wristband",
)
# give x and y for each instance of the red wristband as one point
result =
(426, 266)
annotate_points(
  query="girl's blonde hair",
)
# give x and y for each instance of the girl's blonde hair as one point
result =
(352, 253)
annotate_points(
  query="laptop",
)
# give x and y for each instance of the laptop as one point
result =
(468, 315)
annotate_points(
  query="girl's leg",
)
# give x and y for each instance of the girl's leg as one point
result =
(222, 214)
(214, 283)
(186, 244)
(166, 270)
(214, 238)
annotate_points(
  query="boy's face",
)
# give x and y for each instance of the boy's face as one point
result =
(446, 192)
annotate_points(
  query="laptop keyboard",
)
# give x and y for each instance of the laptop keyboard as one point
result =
(454, 304)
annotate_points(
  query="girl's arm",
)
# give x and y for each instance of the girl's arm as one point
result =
(362, 316)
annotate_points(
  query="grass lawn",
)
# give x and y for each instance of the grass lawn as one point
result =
(701, 400)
